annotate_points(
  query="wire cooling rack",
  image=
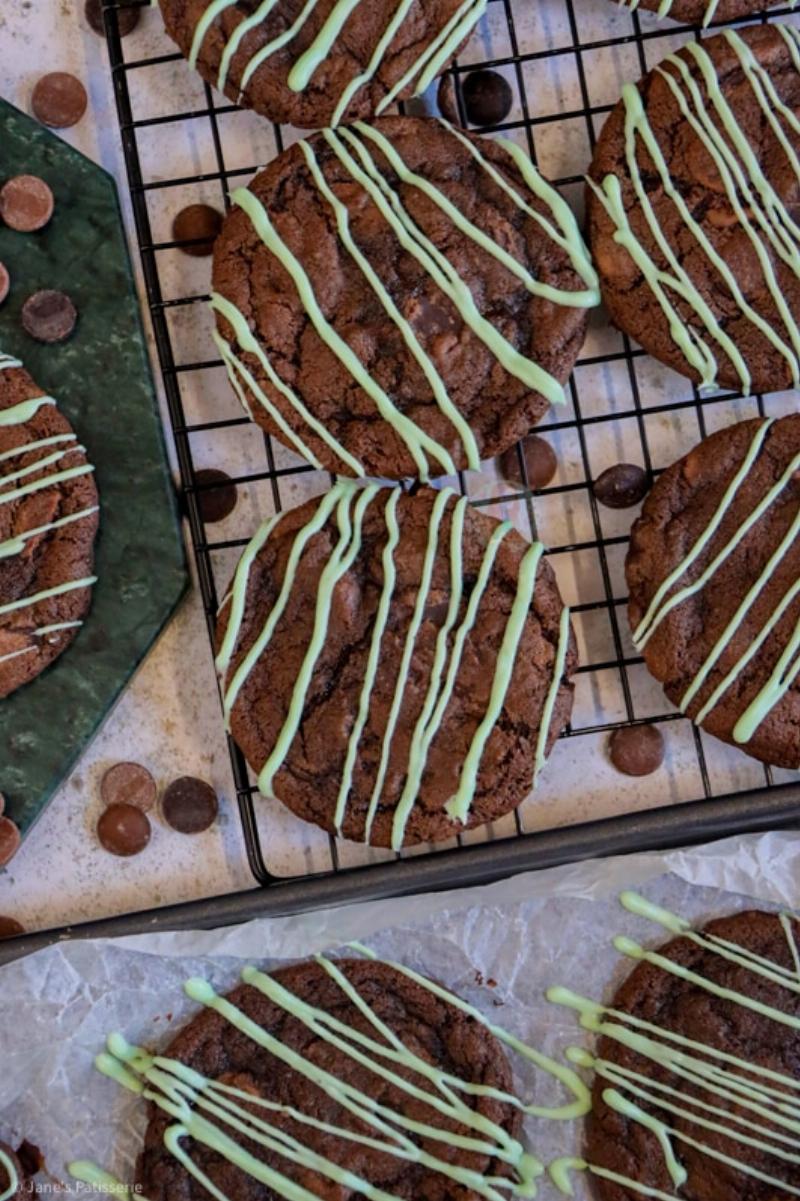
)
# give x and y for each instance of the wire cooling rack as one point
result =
(566, 61)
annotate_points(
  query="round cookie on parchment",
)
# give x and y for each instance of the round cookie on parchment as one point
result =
(401, 299)
(318, 65)
(696, 244)
(400, 683)
(429, 1026)
(48, 523)
(713, 573)
(617, 1143)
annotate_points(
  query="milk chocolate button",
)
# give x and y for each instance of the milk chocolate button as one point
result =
(9, 840)
(621, 486)
(10, 927)
(127, 18)
(487, 97)
(540, 459)
(26, 203)
(636, 750)
(129, 784)
(189, 805)
(197, 226)
(49, 316)
(5, 282)
(123, 830)
(216, 495)
(59, 100)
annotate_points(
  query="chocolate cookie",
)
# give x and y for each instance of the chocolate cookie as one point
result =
(395, 667)
(714, 577)
(48, 522)
(703, 12)
(400, 299)
(323, 63)
(315, 1094)
(713, 1157)
(694, 210)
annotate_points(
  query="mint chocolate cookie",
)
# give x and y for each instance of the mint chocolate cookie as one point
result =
(394, 667)
(714, 577)
(694, 210)
(401, 299)
(48, 522)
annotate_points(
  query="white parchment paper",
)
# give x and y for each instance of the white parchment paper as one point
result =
(523, 934)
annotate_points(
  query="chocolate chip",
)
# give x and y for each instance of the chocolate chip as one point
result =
(189, 805)
(26, 203)
(636, 750)
(5, 282)
(487, 97)
(129, 784)
(197, 225)
(127, 18)
(10, 927)
(30, 1157)
(123, 829)
(218, 496)
(540, 459)
(9, 840)
(621, 486)
(59, 100)
(49, 316)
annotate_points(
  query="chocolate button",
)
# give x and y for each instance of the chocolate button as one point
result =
(622, 486)
(49, 316)
(127, 18)
(59, 100)
(218, 496)
(123, 830)
(487, 97)
(9, 840)
(540, 462)
(189, 805)
(5, 282)
(130, 784)
(26, 203)
(10, 927)
(197, 225)
(636, 750)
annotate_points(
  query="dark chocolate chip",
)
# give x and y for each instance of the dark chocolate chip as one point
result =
(123, 830)
(197, 226)
(487, 97)
(621, 486)
(216, 496)
(190, 805)
(540, 459)
(59, 100)
(9, 840)
(26, 203)
(30, 1157)
(49, 316)
(5, 282)
(130, 784)
(636, 750)
(127, 18)
(10, 927)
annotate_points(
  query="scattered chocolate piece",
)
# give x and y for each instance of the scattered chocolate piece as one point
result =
(10, 927)
(123, 829)
(636, 750)
(198, 226)
(5, 1183)
(59, 100)
(189, 805)
(5, 282)
(127, 18)
(9, 840)
(129, 784)
(218, 496)
(26, 203)
(541, 463)
(49, 316)
(30, 1157)
(621, 486)
(487, 97)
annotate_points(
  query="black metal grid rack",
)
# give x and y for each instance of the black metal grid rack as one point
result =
(765, 803)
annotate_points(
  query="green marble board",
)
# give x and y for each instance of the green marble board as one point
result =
(101, 379)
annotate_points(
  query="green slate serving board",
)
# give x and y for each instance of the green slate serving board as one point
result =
(101, 379)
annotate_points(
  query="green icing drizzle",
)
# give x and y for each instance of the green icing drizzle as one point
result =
(729, 1094)
(20, 413)
(6, 1162)
(355, 85)
(440, 50)
(6, 362)
(302, 71)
